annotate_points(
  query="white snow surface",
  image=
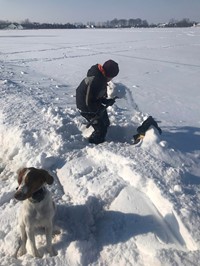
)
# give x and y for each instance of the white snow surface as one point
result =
(117, 204)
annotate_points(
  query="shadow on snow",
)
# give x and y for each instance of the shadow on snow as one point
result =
(93, 228)
(185, 139)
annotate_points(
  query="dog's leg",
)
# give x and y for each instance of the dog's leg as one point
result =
(31, 237)
(23, 240)
(50, 249)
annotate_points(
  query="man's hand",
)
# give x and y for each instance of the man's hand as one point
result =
(108, 102)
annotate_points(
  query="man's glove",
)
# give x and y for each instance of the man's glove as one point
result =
(108, 102)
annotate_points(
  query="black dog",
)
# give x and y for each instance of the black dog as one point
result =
(144, 127)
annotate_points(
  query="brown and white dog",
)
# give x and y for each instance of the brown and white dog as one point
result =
(38, 208)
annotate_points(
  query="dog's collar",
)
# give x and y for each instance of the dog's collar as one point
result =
(38, 196)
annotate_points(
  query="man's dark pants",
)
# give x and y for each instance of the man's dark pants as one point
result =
(100, 126)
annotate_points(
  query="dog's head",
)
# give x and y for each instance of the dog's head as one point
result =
(31, 180)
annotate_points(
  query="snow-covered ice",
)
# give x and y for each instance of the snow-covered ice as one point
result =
(117, 204)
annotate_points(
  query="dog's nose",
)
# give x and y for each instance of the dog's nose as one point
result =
(19, 195)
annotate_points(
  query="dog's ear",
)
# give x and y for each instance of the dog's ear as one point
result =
(20, 173)
(48, 178)
(21, 170)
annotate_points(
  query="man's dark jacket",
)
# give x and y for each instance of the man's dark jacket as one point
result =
(91, 91)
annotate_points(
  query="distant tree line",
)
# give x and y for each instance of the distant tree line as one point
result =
(36, 25)
(115, 23)
(123, 23)
(182, 23)
(26, 24)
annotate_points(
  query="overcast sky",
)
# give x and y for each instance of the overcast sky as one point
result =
(63, 11)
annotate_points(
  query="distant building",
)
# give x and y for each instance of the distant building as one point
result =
(162, 25)
(13, 26)
(196, 25)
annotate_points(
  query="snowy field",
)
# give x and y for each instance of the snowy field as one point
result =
(117, 204)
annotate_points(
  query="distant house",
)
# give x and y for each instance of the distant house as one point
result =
(20, 27)
(196, 24)
(90, 26)
(162, 25)
(13, 26)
